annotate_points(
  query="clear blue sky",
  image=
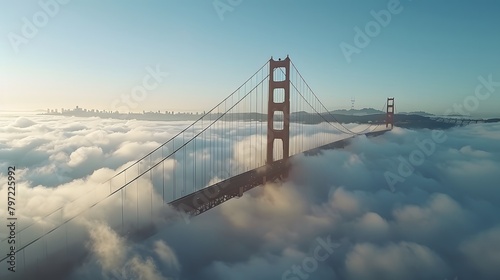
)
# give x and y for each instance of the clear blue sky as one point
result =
(429, 56)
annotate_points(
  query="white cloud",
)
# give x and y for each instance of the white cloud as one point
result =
(482, 252)
(401, 261)
(107, 246)
(83, 154)
(166, 254)
(441, 218)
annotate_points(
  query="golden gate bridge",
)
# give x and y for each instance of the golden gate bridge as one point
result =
(249, 138)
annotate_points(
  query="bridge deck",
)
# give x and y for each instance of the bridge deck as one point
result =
(214, 195)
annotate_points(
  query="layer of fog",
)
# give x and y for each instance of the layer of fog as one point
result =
(439, 222)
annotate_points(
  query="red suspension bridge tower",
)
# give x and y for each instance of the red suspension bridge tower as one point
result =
(277, 88)
(389, 118)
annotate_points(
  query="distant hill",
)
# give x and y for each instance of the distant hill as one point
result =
(418, 113)
(457, 115)
(357, 112)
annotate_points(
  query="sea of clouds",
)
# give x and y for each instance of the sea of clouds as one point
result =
(335, 218)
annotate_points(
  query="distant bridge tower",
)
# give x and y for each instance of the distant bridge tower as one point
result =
(279, 102)
(389, 118)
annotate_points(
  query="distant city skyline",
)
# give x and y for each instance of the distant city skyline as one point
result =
(431, 56)
(174, 112)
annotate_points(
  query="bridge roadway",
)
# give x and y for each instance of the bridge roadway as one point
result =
(207, 198)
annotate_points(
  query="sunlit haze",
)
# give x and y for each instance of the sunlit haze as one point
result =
(429, 55)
